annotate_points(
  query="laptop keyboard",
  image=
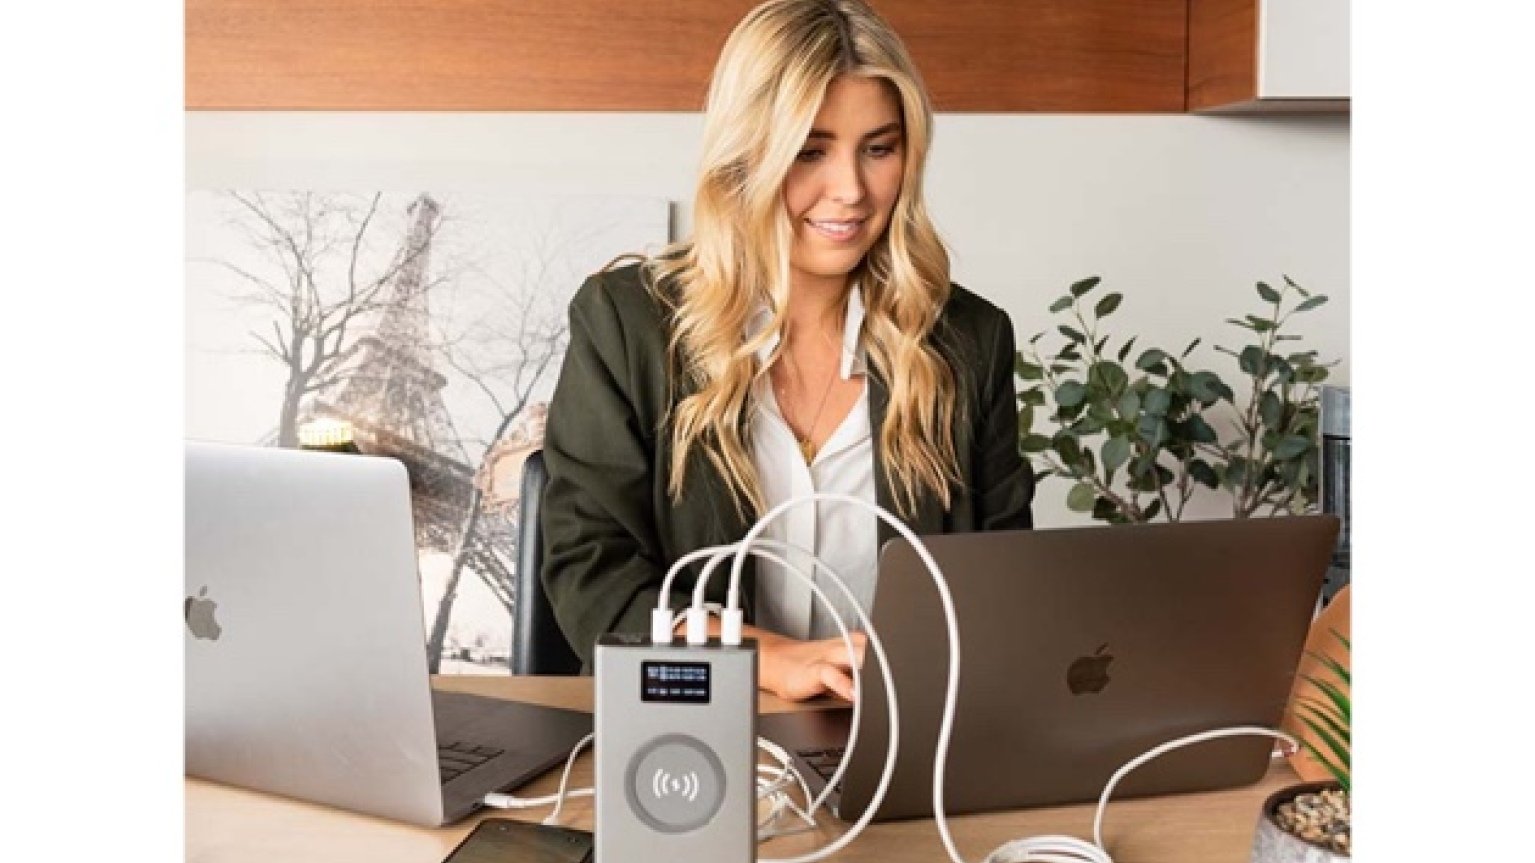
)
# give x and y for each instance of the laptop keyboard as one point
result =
(823, 761)
(456, 759)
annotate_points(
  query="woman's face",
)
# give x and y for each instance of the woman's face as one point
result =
(844, 183)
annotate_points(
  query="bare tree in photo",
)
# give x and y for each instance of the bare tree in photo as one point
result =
(506, 365)
(317, 285)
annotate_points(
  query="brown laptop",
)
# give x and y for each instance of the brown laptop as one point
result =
(1080, 649)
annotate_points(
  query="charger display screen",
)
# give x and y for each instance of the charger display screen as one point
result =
(675, 682)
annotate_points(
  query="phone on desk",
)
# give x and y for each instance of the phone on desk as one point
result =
(502, 840)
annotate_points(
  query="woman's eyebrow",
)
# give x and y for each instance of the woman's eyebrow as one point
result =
(830, 136)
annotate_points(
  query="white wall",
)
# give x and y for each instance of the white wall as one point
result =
(1181, 213)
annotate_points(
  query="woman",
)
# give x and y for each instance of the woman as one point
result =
(805, 338)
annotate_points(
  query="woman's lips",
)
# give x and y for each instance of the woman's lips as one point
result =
(837, 230)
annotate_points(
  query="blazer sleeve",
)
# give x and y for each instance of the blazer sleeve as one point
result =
(602, 566)
(1004, 480)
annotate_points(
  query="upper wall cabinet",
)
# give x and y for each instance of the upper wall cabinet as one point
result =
(1268, 55)
(657, 55)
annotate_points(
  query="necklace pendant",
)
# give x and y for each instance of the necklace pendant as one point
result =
(807, 449)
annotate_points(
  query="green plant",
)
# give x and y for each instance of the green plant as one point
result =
(1330, 717)
(1150, 420)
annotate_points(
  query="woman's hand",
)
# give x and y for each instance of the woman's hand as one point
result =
(796, 670)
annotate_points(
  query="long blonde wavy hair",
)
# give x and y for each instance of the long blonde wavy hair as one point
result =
(766, 91)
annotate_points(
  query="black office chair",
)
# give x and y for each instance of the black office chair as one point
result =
(538, 645)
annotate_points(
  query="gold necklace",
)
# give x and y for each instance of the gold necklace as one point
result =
(806, 441)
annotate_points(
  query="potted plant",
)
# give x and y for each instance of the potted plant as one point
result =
(1135, 440)
(1310, 822)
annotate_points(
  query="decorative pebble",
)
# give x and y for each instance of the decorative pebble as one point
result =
(1321, 818)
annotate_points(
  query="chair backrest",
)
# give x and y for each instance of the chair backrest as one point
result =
(538, 645)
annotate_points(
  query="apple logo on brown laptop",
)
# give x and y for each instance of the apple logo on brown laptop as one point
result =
(200, 616)
(1089, 674)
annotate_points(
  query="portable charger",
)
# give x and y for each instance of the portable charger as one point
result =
(676, 736)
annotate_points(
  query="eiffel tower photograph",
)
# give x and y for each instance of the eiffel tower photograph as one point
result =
(424, 327)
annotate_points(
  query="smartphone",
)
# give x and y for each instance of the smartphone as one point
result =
(502, 840)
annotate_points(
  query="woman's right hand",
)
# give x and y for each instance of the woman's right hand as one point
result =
(797, 670)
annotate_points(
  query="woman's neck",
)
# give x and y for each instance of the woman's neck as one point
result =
(817, 306)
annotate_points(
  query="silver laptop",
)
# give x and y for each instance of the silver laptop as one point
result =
(306, 666)
(1080, 649)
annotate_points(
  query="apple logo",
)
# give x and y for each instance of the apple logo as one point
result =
(1090, 674)
(200, 619)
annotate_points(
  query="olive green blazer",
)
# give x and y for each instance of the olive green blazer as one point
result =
(610, 529)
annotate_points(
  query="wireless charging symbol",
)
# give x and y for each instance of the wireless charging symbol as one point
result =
(675, 783)
(666, 785)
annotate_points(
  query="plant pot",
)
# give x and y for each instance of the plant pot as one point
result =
(1274, 844)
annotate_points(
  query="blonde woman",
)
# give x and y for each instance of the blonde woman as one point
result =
(806, 337)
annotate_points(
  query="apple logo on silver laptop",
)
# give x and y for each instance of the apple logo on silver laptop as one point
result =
(200, 616)
(1090, 674)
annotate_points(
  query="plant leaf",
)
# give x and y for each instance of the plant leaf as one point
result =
(1149, 358)
(1204, 474)
(1270, 409)
(1199, 431)
(1034, 443)
(1205, 386)
(1108, 304)
(1339, 772)
(1339, 701)
(1115, 453)
(1291, 446)
(1081, 498)
(1108, 375)
(1029, 371)
(1338, 748)
(1251, 361)
(1152, 429)
(1070, 394)
(1129, 404)
(1085, 285)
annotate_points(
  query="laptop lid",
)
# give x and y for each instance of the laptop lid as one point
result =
(306, 665)
(1080, 649)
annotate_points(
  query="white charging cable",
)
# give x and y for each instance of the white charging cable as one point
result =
(1069, 849)
(1044, 849)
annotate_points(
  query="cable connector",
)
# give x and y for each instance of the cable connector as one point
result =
(732, 621)
(661, 626)
(698, 626)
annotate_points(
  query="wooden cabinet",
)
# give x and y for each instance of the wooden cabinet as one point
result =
(657, 55)
(1268, 55)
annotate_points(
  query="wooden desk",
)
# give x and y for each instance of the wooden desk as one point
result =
(231, 825)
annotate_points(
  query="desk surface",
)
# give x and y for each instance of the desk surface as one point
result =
(228, 825)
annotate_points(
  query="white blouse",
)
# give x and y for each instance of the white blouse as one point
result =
(843, 537)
